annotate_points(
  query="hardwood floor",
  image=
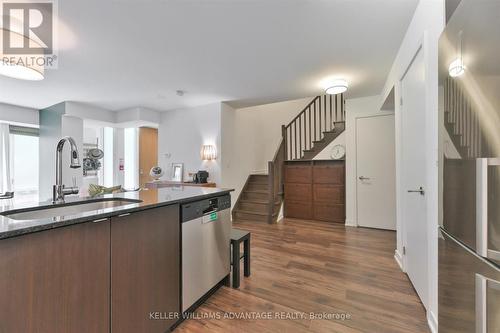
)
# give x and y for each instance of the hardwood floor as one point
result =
(304, 266)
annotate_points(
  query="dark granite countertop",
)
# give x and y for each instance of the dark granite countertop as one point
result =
(149, 199)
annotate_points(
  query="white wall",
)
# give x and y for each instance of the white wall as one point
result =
(357, 107)
(137, 117)
(425, 28)
(89, 111)
(18, 115)
(250, 138)
(181, 135)
(326, 153)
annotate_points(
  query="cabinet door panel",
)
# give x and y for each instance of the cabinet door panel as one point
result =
(330, 213)
(329, 194)
(56, 281)
(298, 192)
(298, 210)
(298, 174)
(145, 270)
(329, 174)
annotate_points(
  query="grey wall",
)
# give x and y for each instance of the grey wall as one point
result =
(54, 125)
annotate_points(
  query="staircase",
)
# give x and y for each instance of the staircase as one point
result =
(462, 122)
(316, 126)
(253, 203)
(328, 137)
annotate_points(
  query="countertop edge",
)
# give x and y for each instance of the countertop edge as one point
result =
(118, 211)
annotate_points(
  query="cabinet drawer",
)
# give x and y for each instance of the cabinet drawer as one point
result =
(331, 213)
(298, 192)
(330, 194)
(298, 209)
(298, 174)
(329, 174)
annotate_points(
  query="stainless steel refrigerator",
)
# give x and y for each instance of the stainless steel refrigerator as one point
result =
(469, 236)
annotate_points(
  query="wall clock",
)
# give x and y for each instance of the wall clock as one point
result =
(338, 152)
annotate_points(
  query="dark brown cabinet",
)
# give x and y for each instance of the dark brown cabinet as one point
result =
(145, 270)
(56, 281)
(315, 190)
(115, 275)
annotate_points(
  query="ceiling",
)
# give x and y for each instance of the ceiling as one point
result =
(119, 54)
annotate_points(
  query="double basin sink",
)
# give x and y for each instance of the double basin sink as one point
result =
(67, 209)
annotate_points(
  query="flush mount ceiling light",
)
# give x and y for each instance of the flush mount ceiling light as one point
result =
(337, 87)
(457, 66)
(208, 152)
(18, 66)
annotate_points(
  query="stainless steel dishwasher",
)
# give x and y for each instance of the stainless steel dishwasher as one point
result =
(206, 230)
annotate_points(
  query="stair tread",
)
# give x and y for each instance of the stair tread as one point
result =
(237, 210)
(254, 201)
(255, 191)
(257, 201)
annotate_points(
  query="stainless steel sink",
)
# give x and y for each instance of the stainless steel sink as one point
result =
(74, 208)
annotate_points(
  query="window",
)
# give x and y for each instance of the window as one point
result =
(24, 163)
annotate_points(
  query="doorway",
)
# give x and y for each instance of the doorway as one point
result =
(413, 175)
(375, 172)
(148, 153)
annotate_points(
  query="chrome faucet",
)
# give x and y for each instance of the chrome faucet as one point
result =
(59, 190)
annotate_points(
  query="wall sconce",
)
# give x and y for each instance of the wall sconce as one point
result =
(208, 152)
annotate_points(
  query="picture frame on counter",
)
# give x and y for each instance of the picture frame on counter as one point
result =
(177, 172)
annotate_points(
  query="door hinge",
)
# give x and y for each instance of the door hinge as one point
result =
(401, 101)
(404, 250)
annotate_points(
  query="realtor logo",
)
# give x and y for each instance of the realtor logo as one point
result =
(27, 28)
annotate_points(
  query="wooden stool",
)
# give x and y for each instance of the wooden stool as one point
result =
(238, 236)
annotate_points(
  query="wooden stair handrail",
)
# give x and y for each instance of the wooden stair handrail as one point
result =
(317, 117)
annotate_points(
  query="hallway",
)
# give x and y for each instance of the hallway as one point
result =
(303, 267)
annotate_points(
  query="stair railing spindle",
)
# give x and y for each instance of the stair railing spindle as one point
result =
(314, 105)
(331, 114)
(300, 136)
(324, 107)
(310, 137)
(320, 128)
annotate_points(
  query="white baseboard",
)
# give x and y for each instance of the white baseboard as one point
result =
(432, 322)
(350, 223)
(399, 259)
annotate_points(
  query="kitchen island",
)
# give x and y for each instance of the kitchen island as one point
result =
(106, 264)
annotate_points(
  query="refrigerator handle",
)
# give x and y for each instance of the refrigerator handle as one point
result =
(482, 207)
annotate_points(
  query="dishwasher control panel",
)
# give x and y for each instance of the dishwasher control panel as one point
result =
(200, 208)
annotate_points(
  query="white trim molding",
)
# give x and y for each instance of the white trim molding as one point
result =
(432, 322)
(399, 259)
(350, 223)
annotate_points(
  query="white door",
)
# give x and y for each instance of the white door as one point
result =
(375, 171)
(413, 175)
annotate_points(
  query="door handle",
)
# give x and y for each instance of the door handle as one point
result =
(420, 190)
(363, 178)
